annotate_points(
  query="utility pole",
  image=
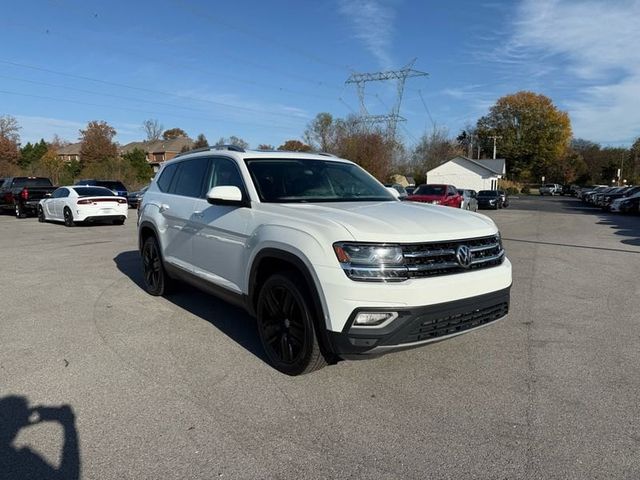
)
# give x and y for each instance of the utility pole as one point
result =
(495, 137)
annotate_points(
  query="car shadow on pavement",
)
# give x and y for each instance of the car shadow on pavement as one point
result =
(624, 225)
(233, 321)
(19, 463)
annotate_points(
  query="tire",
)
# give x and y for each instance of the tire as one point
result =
(156, 280)
(68, 217)
(41, 217)
(20, 213)
(285, 321)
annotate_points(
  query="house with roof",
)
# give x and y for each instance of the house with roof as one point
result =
(463, 172)
(69, 152)
(159, 151)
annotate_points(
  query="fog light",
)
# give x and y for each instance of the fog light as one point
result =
(374, 319)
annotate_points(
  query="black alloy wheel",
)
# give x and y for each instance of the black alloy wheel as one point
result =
(156, 280)
(286, 326)
(68, 217)
(41, 218)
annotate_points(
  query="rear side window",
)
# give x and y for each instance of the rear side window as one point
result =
(166, 176)
(190, 177)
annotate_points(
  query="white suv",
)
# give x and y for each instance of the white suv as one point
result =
(329, 261)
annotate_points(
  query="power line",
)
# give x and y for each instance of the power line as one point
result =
(433, 124)
(91, 92)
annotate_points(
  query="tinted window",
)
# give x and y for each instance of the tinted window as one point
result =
(430, 190)
(31, 182)
(93, 192)
(166, 176)
(487, 193)
(190, 177)
(297, 180)
(111, 185)
(224, 172)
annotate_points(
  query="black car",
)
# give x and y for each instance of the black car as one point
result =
(134, 197)
(115, 186)
(490, 199)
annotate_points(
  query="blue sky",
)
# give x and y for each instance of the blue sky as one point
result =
(262, 70)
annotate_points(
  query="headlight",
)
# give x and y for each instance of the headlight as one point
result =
(366, 262)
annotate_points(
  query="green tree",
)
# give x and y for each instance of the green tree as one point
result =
(97, 143)
(174, 133)
(534, 133)
(137, 159)
(294, 146)
(201, 141)
(31, 154)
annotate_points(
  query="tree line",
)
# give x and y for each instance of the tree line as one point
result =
(526, 128)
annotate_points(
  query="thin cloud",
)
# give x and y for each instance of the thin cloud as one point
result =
(373, 23)
(589, 45)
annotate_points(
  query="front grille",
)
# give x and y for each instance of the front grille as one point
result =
(432, 328)
(429, 259)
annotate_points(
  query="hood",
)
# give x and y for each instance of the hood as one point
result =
(402, 222)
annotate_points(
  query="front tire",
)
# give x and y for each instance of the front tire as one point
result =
(285, 323)
(68, 217)
(156, 280)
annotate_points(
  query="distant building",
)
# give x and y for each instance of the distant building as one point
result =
(159, 151)
(463, 172)
(70, 152)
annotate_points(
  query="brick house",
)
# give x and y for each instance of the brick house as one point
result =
(159, 151)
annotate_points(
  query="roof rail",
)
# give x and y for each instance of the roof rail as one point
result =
(325, 154)
(233, 148)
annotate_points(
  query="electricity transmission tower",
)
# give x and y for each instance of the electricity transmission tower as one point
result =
(392, 118)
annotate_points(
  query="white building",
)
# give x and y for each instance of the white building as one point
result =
(463, 172)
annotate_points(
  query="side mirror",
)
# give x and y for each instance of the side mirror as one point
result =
(226, 195)
(47, 195)
(394, 192)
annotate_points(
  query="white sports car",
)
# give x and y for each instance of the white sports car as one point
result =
(83, 204)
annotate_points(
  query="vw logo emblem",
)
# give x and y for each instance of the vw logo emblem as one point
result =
(463, 256)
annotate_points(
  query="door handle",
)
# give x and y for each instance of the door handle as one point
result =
(163, 207)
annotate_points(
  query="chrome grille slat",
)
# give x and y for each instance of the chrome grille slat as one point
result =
(439, 258)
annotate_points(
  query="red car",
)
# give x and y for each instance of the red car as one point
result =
(446, 195)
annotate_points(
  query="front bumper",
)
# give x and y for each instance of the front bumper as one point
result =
(417, 326)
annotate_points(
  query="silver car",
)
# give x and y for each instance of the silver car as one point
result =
(469, 200)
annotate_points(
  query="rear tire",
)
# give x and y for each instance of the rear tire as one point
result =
(285, 320)
(68, 217)
(41, 217)
(156, 280)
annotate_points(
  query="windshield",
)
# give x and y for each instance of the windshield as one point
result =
(111, 185)
(487, 193)
(93, 192)
(430, 190)
(283, 180)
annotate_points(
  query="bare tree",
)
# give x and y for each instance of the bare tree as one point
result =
(153, 129)
(9, 128)
(434, 149)
(232, 140)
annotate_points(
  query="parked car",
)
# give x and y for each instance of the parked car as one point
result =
(410, 189)
(504, 197)
(588, 195)
(331, 264)
(402, 193)
(550, 189)
(469, 201)
(115, 186)
(489, 199)
(622, 192)
(627, 204)
(134, 197)
(21, 195)
(446, 195)
(74, 204)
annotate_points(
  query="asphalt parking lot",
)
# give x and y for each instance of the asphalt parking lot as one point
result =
(178, 387)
